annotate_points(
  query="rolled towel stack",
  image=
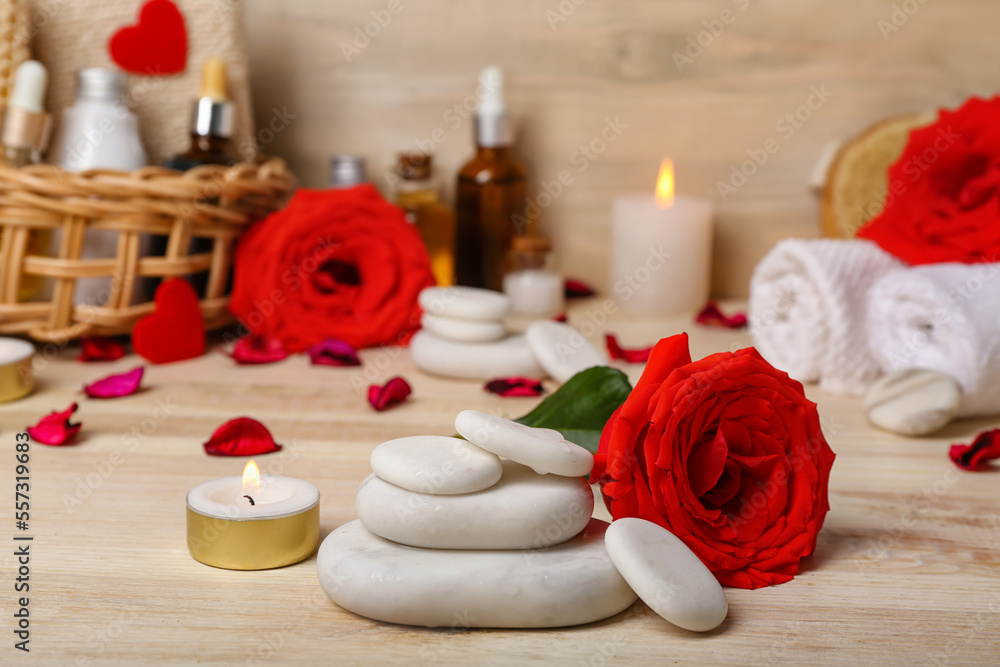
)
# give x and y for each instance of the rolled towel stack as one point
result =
(808, 310)
(941, 317)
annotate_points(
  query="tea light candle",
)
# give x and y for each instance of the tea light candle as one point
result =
(16, 377)
(250, 523)
(661, 250)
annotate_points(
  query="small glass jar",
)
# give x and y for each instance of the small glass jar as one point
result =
(531, 284)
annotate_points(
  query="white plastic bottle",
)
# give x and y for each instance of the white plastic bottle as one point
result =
(99, 132)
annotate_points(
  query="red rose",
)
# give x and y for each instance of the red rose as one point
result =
(341, 264)
(726, 453)
(943, 203)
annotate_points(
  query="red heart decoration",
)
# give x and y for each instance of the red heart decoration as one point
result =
(174, 331)
(156, 45)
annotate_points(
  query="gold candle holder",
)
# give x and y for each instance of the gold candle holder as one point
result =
(16, 378)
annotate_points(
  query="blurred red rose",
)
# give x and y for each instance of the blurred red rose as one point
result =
(339, 264)
(943, 203)
(727, 453)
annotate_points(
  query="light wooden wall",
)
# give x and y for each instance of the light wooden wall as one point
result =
(613, 59)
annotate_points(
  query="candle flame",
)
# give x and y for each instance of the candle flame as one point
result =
(665, 184)
(251, 479)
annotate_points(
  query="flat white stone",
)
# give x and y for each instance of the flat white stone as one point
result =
(436, 464)
(913, 402)
(666, 574)
(523, 510)
(562, 350)
(464, 331)
(569, 584)
(544, 450)
(464, 303)
(474, 361)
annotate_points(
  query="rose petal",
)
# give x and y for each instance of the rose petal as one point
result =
(636, 355)
(115, 386)
(258, 349)
(333, 352)
(711, 315)
(561, 317)
(392, 393)
(241, 437)
(55, 428)
(515, 386)
(576, 289)
(985, 447)
(100, 348)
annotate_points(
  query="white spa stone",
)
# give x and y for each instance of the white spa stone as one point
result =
(562, 350)
(913, 402)
(523, 510)
(436, 464)
(474, 361)
(544, 450)
(464, 303)
(569, 584)
(666, 574)
(464, 331)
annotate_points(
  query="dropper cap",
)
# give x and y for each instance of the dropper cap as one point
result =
(25, 123)
(492, 126)
(213, 112)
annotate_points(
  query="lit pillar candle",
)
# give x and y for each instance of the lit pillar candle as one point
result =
(16, 376)
(661, 250)
(252, 523)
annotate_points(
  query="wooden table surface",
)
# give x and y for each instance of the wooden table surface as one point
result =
(906, 570)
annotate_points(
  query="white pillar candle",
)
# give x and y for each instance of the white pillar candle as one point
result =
(17, 378)
(661, 250)
(234, 524)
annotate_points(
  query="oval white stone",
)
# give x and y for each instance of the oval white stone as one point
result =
(474, 361)
(666, 574)
(464, 303)
(569, 584)
(465, 331)
(544, 450)
(523, 510)
(914, 402)
(436, 464)
(562, 350)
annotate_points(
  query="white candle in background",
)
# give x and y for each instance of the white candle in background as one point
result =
(661, 250)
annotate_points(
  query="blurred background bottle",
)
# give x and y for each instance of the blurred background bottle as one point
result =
(418, 193)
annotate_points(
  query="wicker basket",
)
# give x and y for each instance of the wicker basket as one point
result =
(210, 202)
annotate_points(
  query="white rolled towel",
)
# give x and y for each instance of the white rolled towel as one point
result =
(808, 310)
(943, 317)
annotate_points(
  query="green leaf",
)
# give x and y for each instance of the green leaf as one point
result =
(581, 407)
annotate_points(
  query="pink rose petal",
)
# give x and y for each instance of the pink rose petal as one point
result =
(115, 386)
(515, 386)
(711, 315)
(55, 428)
(985, 447)
(100, 348)
(638, 355)
(241, 437)
(258, 349)
(392, 393)
(333, 352)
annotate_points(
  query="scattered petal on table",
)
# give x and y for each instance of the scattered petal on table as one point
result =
(637, 355)
(100, 348)
(515, 386)
(710, 315)
(561, 317)
(333, 352)
(116, 386)
(258, 349)
(55, 428)
(576, 289)
(241, 437)
(985, 447)
(392, 393)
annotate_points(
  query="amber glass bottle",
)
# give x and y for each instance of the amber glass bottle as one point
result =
(490, 200)
(418, 194)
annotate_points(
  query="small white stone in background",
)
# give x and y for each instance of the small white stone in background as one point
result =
(474, 361)
(913, 402)
(570, 584)
(464, 303)
(666, 574)
(436, 464)
(523, 510)
(562, 350)
(543, 450)
(464, 331)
